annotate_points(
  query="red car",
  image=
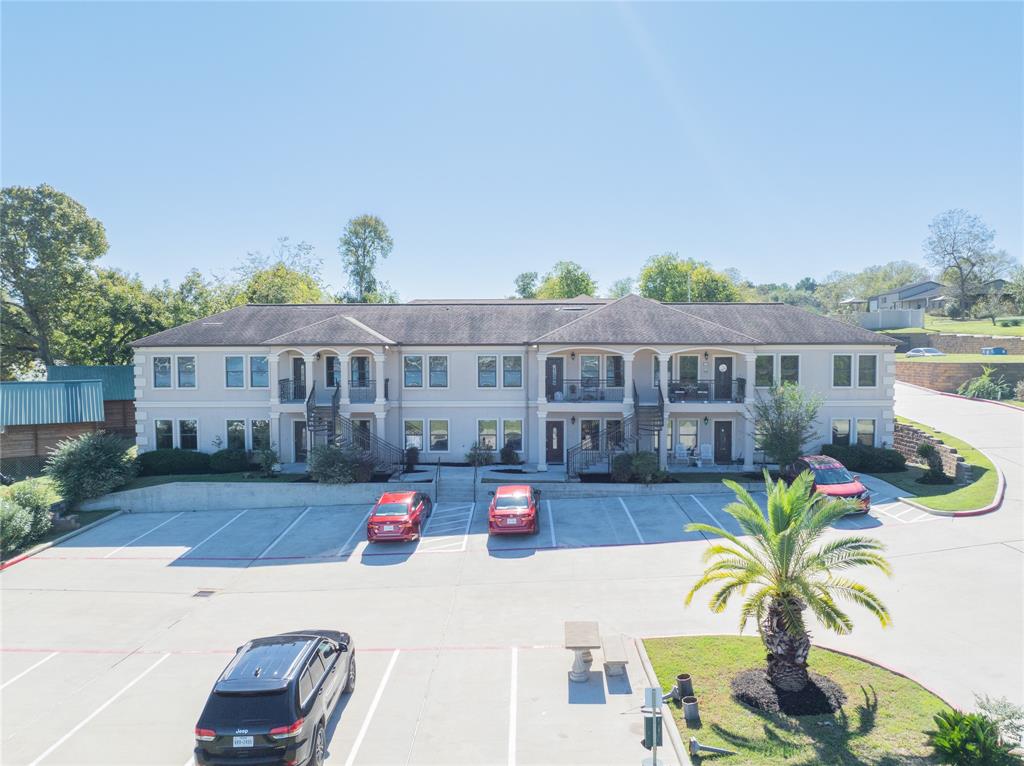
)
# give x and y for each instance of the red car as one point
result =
(831, 478)
(398, 516)
(513, 511)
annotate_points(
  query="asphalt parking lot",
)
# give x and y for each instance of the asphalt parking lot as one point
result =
(113, 639)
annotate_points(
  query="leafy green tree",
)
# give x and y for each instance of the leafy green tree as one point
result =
(364, 242)
(197, 297)
(621, 288)
(807, 284)
(526, 284)
(280, 284)
(959, 245)
(783, 569)
(784, 421)
(667, 277)
(48, 243)
(567, 279)
(839, 285)
(1015, 289)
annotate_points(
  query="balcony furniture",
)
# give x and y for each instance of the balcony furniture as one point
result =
(706, 456)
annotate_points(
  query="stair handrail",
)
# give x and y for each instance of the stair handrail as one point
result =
(386, 456)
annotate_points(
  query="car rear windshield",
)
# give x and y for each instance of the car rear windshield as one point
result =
(836, 475)
(510, 502)
(392, 509)
(231, 710)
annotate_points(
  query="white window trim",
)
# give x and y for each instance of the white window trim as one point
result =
(855, 426)
(522, 433)
(423, 434)
(676, 423)
(850, 424)
(853, 369)
(799, 368)
(245, 433)
(423, 374)
(245, 382)
(173, 432)
(497, 373)
(447, 430)
(775, 371)
(857, 379)
(270, 432)
(447, 371)
(248, 379)
(501, 371)
(600, 366)
(174, 372)
(174, 375)
(177, 433)
(497, 430)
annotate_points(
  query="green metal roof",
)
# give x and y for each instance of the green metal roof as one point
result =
(41, 402)
(118, 379)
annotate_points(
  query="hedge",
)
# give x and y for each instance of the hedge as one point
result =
(163, 462)
(91, 465)
(229, 461)
(860, 457)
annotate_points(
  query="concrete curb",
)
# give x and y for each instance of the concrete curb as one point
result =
(56, 541)
(673, 731)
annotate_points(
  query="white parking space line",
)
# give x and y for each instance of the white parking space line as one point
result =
(469, 523)
(360, 526)
(632, 521)
(286, 531)
(373, 709)
(714, 521)
(551, 523)
(215, 532)
(28, 670)
(154, 529)
(99, 710)
(513, 694)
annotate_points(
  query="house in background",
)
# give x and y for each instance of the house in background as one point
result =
(118, 392)
(918, 295)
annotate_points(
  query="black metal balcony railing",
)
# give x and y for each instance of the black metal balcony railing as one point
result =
(289, 390)
(362, 390)
(586, 390)
(711, 390)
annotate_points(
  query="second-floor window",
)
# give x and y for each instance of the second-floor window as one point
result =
(186, 371)
(590, 369)
(234, 371)
(259, 372)
(842, 371)
(487, 372)
(688, 369)
(161, 372)
(867, 371)
(614, 371)
(789, 368)
(412, 367)
(512, 372)
(764, 371)
(333, 372)
(438, 371)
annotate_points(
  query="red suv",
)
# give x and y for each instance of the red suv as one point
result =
(399, 516)
(831, 478)
(513, 510)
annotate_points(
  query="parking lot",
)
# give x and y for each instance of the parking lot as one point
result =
(113, 638)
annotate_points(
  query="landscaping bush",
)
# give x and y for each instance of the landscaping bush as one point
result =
(91, 465)
(986, 386)
(1007, 716)
(953, 311)
(36, 496)
(1018, 390)
(337, 465)
(164, 462)
(15, 526)
(229, 461)
(266, 459)
(1009, 323)
(860, 457)
(969, 739)
(479, 456)
(412, 457)
(622, 468)
(930, 455)
(645, 467)
(508, 455)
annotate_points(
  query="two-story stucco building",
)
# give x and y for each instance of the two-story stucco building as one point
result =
(560, 381)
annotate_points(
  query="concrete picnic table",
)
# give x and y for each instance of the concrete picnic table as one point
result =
(581, 637)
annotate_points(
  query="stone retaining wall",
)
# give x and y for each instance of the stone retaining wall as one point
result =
(906, 440)
(948, 376)
(958, 344)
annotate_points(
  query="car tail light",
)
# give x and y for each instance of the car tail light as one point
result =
(205, 735)
(283, 732)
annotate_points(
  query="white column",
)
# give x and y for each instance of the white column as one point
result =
(307, 363)
(542, 453)
(541, 381)
(627, 383)
(275, 386)
(748, 440)
(663, 386)
(750, 371)
(275, 434)
(381, 432)
(378, 360)
(343, 376)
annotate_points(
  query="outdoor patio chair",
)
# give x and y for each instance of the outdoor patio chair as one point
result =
(706, 456)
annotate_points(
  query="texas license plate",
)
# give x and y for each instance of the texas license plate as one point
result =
(241, 742)
(512, 521)
(388, 527)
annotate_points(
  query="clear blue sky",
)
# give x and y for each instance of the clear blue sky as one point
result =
(779, 139)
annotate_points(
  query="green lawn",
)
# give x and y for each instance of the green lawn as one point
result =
(151, 481)
(978, 358)
(883, 723)
(963, 326)
(949, 497)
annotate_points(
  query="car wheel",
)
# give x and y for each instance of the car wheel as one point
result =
(350, 682)
(319, 746)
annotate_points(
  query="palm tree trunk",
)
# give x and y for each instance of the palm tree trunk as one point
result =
(787, 654)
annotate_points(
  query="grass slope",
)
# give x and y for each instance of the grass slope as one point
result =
(977, 358)
(963, 326)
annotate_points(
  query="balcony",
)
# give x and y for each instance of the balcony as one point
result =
(290, 391)
(585, 390)
(698, 390)
(364, 390)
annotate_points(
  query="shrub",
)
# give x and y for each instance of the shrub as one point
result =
(645, 467)
(229, 461)
(91, 465)
(508, 455)
(36, 496)
(164, 462)
(412, 457)
(622, 467)
(969, 739)
(1008, 717)
(860, 457)
(479, 456)
(15, 526)
(953, 311)
(337, 465)
(266, 459)
(986, 386)
(1009, 323)
(930, 455)
(1018, 390)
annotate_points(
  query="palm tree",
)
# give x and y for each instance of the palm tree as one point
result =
(781, 571)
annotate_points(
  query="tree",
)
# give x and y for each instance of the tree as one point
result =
(989, 306)
(566, 279)
(197, 297)
(959, 245)
(621, 288)
(280, 284)
(1014, 290)
(364, 242)
(526, 284)
(48, 243)
(807, 284)
(782, 571)
(784, 422)
(667, 277)
(873, 280)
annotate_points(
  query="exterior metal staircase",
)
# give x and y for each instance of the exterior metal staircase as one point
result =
(646, 420)
(326, 425)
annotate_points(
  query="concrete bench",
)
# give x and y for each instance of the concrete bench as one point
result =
(615, 659)
(580, 638)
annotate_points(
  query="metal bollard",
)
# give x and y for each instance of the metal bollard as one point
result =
(690, 712)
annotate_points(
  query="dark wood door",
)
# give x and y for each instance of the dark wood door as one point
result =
(555, 441)
(554, 376)
(723, 441)
(723, 378)
(300, 441)
(299, 377)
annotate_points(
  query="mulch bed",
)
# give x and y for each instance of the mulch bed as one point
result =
(821, 696)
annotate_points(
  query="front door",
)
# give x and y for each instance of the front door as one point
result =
(554, 376)
(723, 441)
(723, 378)
(300, 441)
(298, 378)
(555, 441)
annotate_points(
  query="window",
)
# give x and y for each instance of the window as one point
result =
(487, 371)
(164, 434)
(487, 433)
(359, 372)
(688, 369)
(333, 371)
(657, 371)
(764, 371)
(234, 371)
(413, 367)
(260, 437)
(438, 371)
(842, 371)
(414, 434)
(305, 685)
(259, 373)
(590, 369)
(867, 370)
(789, 368)
(188, 434)
(512, 432)
(614, 371)
(687, 433)
(590, 431)
(186, 372)
(438, 435)
(236, 434)
(866, 432)
(512, 371)
(841, 433)
(161, 372)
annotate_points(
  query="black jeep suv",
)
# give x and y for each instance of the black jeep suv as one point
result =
(272, 702)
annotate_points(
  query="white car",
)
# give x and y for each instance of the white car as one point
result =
(925, 352)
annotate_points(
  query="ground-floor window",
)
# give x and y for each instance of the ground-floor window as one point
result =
(512, 433)
(188, 434)
(236, 434)
(589, 433)
(260, 434)
(438, 435)
(164, 434)
(687, 430)
(841, 433)
(414, 434)
(866, 432)
(656, 437)
(487, 434)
